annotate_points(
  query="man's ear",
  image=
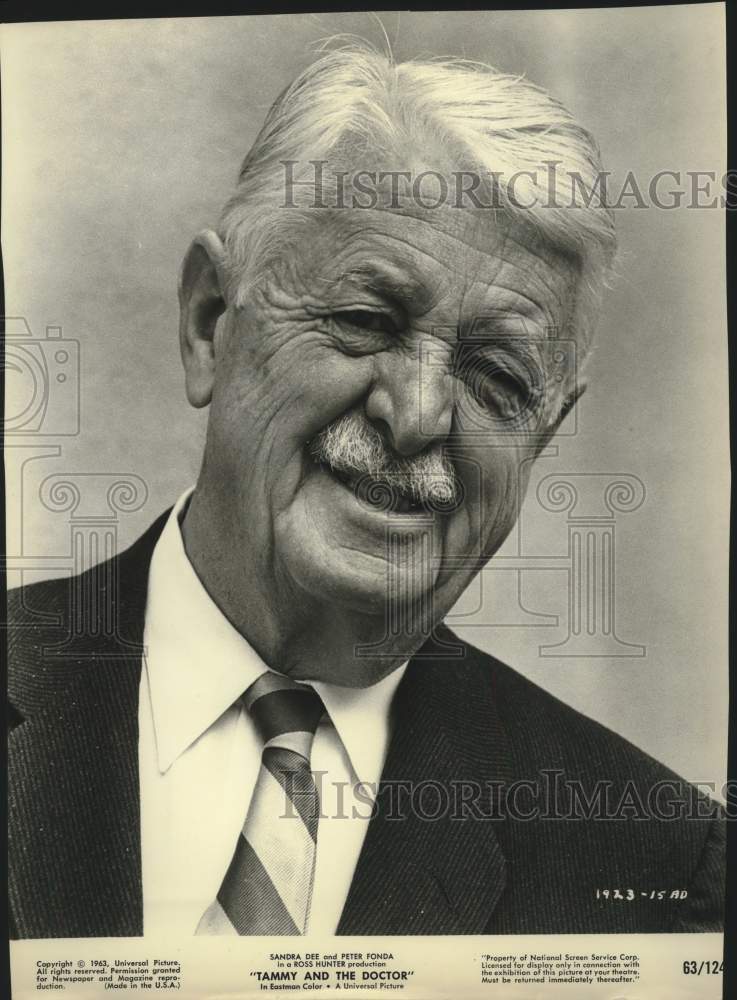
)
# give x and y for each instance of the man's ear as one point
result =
(552, 429)
(201, 302)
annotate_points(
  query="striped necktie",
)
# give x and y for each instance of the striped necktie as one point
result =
(268, 887)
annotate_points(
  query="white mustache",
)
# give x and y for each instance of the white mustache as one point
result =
(353, 446)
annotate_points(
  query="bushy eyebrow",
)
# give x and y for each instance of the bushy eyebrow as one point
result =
(519, 322)
(391, 283)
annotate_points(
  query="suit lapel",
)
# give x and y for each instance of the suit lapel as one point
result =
(74, 813)
(431, 864)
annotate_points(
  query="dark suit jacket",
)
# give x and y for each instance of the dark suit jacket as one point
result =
(448, 851)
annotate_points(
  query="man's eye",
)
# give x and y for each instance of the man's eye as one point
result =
(501, 391)
(367, 319)
(506, 386)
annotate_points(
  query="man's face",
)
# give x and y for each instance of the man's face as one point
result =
(404, 328)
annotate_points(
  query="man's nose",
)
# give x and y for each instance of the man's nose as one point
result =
(411, 401)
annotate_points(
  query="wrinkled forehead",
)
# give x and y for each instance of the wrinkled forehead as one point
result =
(467, 259)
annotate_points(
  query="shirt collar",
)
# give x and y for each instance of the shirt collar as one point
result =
(198, 665)
(362, 719)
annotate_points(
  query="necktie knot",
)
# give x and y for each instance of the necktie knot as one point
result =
(281, 707)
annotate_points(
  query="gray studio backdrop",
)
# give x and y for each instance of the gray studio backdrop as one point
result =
(122, 139)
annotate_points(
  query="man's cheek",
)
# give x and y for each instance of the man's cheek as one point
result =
(264, 371)
(499, 503)
(332, 384)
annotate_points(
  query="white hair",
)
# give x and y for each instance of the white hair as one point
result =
(354, 100)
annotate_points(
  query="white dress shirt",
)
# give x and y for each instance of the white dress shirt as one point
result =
(199, 753)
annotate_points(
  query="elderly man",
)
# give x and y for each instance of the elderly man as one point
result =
(277, 735)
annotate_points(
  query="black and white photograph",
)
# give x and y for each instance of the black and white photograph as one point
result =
(367, 502)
